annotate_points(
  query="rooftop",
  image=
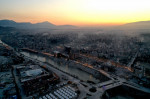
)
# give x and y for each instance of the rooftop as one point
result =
(34, 72)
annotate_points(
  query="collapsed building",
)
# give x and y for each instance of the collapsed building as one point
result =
(36, 79)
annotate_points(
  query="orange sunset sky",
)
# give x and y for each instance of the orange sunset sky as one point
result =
(76, 12)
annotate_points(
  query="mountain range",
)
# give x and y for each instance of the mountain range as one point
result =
(28, 25)
(47, 25)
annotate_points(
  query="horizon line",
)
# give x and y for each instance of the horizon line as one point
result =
(81, 25)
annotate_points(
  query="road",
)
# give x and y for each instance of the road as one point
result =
(106, 60)
(18, 83)
(133, 59)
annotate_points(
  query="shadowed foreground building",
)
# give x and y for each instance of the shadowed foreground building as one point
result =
(35, 79)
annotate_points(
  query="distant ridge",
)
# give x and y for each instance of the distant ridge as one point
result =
(28, 25)
(136, 25)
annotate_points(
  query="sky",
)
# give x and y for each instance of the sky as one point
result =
(76, 12)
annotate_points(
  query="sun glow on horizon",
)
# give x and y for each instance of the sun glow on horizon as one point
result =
(76, 12)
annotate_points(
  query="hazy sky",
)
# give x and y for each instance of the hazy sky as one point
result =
(76, 12)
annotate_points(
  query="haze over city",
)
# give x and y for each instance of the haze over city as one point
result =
(74, 49)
